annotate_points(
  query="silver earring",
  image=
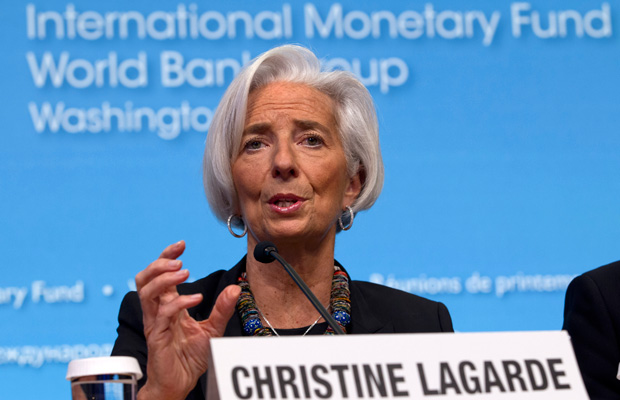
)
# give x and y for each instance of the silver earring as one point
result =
(245, 227)
(351, 217)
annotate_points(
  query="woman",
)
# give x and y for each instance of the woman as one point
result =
(292, 154)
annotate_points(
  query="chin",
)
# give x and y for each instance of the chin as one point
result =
(295, 235)
(287, 236)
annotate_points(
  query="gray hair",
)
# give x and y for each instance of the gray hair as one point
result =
(354, 112)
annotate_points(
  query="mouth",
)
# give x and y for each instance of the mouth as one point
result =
(285, 202)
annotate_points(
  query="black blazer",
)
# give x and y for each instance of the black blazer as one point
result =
(374, 309)
(592, 319)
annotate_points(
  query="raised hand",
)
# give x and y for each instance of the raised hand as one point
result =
(178, 345)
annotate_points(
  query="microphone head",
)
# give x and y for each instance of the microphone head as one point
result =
(262, 252)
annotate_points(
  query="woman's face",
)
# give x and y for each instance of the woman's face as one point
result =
(291, 172)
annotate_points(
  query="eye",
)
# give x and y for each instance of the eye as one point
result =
(312, 141)
(253, 144)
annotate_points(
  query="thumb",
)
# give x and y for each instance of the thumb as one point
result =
(222, 311)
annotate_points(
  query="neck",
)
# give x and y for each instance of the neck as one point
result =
(275, 293)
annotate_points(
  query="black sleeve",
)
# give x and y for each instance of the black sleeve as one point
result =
(445, 321)
(131, 341)
(588, 322)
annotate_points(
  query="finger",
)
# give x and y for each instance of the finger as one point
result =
(172, 310)
(170, 253)
(222, 311)
(163, 284)
(155, 269)
(174, 250)
(159, 291)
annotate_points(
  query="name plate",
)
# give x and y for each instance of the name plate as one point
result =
(497, 365)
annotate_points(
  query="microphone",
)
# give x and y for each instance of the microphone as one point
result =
(262, 252)
(267, 252)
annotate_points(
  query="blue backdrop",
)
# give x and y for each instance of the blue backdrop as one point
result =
(499, 128)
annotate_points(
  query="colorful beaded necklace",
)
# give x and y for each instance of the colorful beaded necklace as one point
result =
(340, 305)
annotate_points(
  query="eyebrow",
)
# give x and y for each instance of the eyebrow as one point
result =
(256, 129)
(260, 128)
(307, 124)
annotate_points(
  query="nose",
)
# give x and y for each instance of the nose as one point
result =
(284, 162)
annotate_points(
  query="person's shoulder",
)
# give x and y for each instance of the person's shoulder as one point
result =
(601, 282)
(605, 273)
(380, 293)
(407, 312)
(595, 287)
(601, 279)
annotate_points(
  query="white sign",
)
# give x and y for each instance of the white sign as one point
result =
(506, 365)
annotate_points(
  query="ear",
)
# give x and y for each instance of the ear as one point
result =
(353, 190)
